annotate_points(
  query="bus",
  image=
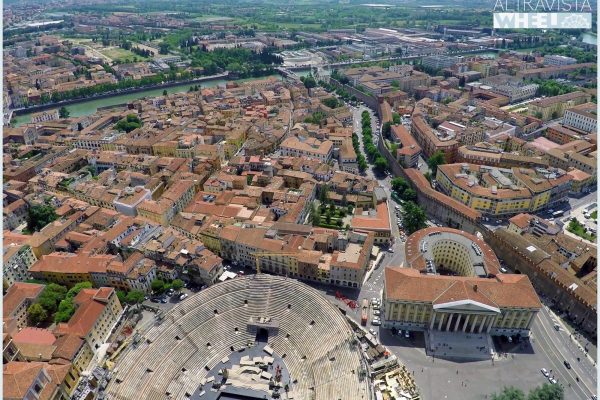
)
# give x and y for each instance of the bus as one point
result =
(364, 312)
(558, 213)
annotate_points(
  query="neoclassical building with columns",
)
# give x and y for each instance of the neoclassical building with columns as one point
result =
(471, 296)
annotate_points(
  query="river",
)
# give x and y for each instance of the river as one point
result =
(91, 106)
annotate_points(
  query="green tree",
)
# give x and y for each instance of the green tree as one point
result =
(135, 297)
(331, 102)
(66, 309)
(395, 84)
(409, 195)
(386, 129)
(158, 286)
(309, 82)
(413, 216)
(323, 194)
(39, 216)
(128, 123)
(546, 392)
(339, 222)
(427, 176)
(399, 185)
(381, 163)
(177, 284)
(121, 296)
(316, 218)
(51, 296)
(437, 158)
(163, 48)
(509, 393)
(74, 291)
(36, 314)
(63, 112)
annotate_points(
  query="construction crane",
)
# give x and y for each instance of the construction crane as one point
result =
(259, 255)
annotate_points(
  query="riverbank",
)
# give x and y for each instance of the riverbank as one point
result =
(164, 85)
(89, 106)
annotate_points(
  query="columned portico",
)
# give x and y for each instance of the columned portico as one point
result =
(463, 316)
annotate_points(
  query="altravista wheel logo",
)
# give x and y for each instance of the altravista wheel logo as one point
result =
(542, 14)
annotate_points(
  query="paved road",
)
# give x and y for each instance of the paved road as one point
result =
(587, 199)
(558, 347)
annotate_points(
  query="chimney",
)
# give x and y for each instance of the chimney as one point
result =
(475, 288)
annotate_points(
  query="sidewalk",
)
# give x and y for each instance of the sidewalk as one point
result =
(377, 260)
(590, 353)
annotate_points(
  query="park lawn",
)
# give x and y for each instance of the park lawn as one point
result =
(594, 215)
(117, 53)
(332, 225)
(212, 17)
(579, 230)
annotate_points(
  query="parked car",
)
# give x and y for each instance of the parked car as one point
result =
(377, 312)
(376, 322)
(567, 364)
(545, 372)
(406, 334)
(372, 332)
(552, 380)
(183, 296)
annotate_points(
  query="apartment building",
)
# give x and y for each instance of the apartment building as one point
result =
(578, 154)
(375, 221)
(561, 134)
(408, 151)
(558, 60)
(582, 117)
(437, 62)
(34, 380)
(501, 191)
(319, 255)
(309, 148)
(17, 299)
(15, 214)
(98, 310)
(347, 158)
(554, 107)
(17, 259)
(129, 198)
(432, 140)
(514, 89)
(552, 72)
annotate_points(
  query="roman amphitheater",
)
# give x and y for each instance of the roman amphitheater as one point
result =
(256, 337)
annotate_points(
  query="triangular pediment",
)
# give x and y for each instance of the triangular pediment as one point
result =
(465, 306)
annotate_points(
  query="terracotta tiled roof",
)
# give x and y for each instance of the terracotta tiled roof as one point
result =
(521, 220)
(17, 293)
(503, 291)
(91, 304)
(18, 377)
(381, 222)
